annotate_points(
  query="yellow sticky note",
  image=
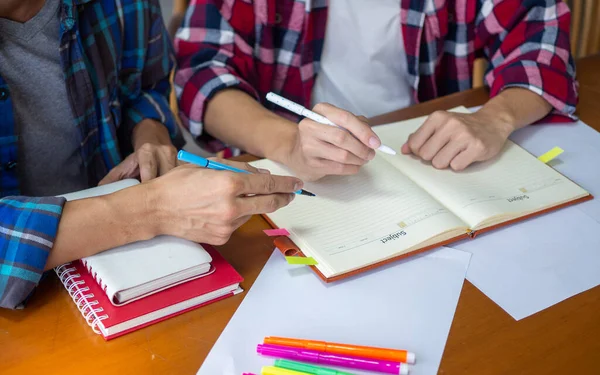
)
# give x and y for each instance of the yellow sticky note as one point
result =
(307, 261)
(545, 158)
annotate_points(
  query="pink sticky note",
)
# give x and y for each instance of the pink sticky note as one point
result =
(276, 232)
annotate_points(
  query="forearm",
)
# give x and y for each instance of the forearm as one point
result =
(239, 120)
(92, 225)
(516, 108)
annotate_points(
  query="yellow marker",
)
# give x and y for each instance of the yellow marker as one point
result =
(272, 370)
(307, 261)
(545, 158)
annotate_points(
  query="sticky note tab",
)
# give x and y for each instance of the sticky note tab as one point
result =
(308, 261)
(545, 158)
(276, 232)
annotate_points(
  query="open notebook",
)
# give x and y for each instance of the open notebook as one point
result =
(398, 204)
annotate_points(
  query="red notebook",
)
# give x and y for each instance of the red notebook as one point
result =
(111, 321)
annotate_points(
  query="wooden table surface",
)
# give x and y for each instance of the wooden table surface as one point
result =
(50, 336)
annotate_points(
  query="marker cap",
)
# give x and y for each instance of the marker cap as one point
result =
(403, 369)
(411, 358)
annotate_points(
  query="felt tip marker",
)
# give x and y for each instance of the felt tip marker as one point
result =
(337, 360)
(335, 348)
(308, 369)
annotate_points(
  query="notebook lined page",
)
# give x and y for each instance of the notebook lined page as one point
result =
(358, 220)
(513, 183)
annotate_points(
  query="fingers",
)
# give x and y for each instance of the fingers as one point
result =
(417, 139)
(147, 163)
(360, 129)
(464, 159)
(262, 204)
(434, 144)
(340, 138)
(167, 159)
(336, 168)
(455, 140)
(446, 155)
(128, 168)
(339, 155)
(264, 184)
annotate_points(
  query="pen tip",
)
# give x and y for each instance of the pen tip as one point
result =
(308, 193)
(387, 150)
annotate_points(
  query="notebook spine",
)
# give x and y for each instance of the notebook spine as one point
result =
(89, 307)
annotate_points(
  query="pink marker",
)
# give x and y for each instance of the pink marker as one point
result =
(312, 356)
(248, 373)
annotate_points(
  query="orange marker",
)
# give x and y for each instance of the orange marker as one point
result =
(355, 350)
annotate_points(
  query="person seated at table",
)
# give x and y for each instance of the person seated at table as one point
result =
(366, 58)
(82, 84)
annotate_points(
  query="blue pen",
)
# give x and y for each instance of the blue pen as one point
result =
(205, 163)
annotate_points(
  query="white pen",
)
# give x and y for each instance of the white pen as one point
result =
(302, 111)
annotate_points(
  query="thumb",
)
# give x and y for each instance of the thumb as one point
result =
(128, 168)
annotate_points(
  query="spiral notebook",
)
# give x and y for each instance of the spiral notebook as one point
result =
(112, 321)
(138, 284)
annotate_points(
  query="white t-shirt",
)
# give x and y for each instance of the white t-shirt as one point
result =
(363, 65)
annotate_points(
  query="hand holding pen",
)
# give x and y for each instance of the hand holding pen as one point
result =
(215, 165)
(206, 205)
(330, 142)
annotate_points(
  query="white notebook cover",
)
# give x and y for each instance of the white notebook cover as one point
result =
(147, 262)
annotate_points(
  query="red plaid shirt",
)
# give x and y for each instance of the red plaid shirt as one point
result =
(275, 45)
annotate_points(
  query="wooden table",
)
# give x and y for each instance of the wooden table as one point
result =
(50, 336)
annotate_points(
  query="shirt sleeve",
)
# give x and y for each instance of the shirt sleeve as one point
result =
(145, 80)
(527, 44)
(214, 51)
(28, 227)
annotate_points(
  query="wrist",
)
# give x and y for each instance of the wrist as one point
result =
(285, 135)
(499, 115)
(133, 212)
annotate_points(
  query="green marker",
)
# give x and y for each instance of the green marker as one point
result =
(309, 369)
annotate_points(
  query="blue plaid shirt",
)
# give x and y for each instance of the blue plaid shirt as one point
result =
(117, 58)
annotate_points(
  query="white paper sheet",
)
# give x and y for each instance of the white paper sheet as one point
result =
(581, 160)
(535, 264)
(407, 305)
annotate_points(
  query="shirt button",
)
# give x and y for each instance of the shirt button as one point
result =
(3, 94)
(278, 18)
(10, 165)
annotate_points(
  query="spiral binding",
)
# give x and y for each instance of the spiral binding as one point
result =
(94, 274)
(71, 279)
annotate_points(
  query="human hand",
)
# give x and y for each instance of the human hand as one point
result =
(153, 156)
(456, 140)
(319, 150)
(207, 206)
